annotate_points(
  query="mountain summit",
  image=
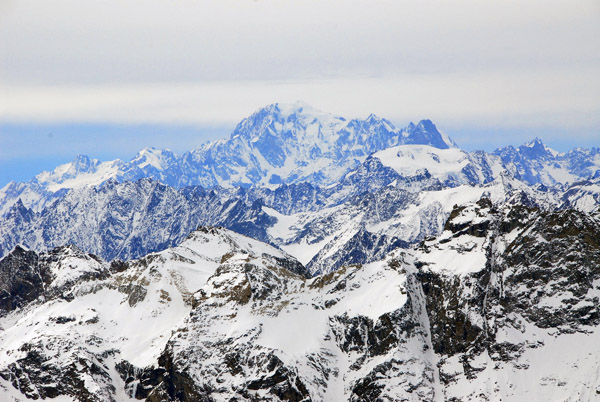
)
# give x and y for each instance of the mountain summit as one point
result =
(289, 143)
(426, 133)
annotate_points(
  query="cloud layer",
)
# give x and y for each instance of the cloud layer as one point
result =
(463, 63)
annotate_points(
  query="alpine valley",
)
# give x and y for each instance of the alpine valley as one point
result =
(305, 258)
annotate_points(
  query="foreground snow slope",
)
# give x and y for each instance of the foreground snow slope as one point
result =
(502, 305)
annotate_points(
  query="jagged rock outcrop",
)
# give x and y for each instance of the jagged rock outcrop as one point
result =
(504, 285)
(94, 321)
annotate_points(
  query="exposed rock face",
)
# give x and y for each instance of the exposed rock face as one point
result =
(55, 366)
(533, 287)
(21, 279)
(92, 321)
(129, 220)
(26, 276)
(244, 339)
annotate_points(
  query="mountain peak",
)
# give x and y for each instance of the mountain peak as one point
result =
(427, 124)
(372, 118)
(536, 142)
(81, 159)
(295, 108)
(426, 133)
(82, 164)
(152, 157)
(286, 109)
(537, 149)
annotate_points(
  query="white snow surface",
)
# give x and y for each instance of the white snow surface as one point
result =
(410, 159)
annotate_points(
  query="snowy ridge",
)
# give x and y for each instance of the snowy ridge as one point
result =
(451, 166)
(368, 214)
(536, 163)
(367, 227)
(126, 312)
(583, 196)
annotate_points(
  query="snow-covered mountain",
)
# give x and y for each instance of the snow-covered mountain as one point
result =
(280, 143)
(583, 196)
(502, 305)
(128, 220)
(369, 212)
(451, 166)
(283, 144)
(306, 258)
(368, 227)
(286, 144)
(296, 143)
(535, 163)
(91, 319)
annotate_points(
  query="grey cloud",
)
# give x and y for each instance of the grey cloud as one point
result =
(465, 63)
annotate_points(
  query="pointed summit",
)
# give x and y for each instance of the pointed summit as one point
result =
(373, 118)
(151, 157)
(82, 164)
(426, 133)
(536, 149)
(81, 161)
(536, 142)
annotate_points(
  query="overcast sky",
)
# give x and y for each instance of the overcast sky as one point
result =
(175, 73)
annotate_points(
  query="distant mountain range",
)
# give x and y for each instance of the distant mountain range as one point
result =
(289, 144)
(278, 144)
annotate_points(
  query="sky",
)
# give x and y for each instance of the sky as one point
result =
(108, 78)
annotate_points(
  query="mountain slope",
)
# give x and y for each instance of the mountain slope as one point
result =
(452, 167)
(78, 334)
(512, 299)
(128, 220)
(506, 294)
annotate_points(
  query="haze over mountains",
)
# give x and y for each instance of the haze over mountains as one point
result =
(306, 257)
